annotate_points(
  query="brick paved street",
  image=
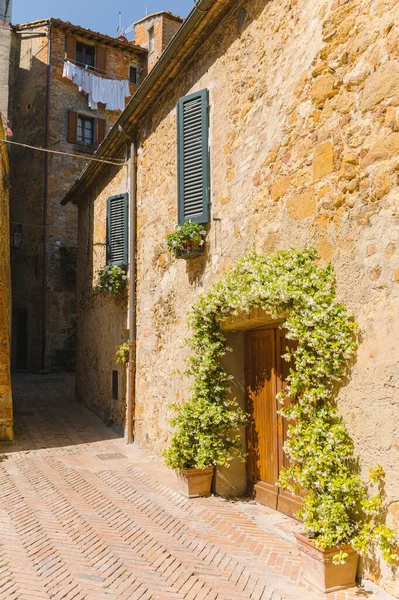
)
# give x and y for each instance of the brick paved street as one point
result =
(83, 516)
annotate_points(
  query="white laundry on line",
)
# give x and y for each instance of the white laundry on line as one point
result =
(110, 92)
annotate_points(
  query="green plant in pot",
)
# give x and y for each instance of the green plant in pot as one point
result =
(341, 512)
(112, 280)
(187, 241)
(122, 353)
(206, 435)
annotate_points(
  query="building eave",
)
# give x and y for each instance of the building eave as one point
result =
(84, 32)
(157, 14)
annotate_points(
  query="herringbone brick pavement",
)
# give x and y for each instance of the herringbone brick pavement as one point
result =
(85, 517)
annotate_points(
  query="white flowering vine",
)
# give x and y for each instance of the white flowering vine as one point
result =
(112, 279)
(337, 506)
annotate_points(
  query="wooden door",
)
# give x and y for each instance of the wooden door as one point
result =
(286, 502)
(266, 373)
(262, 465)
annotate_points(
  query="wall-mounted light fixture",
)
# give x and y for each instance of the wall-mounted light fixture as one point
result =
(16, 237)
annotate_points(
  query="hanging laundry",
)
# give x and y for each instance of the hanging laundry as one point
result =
(110, 92)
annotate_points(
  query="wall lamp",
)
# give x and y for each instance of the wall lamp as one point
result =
(16, 237)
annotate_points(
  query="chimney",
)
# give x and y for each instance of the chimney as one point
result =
(5, 10)
(155, 32)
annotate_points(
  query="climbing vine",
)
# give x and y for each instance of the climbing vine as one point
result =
(337, 506)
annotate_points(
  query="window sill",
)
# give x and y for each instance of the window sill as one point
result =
(85, 149)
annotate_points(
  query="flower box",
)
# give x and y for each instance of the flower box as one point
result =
(195, 483)
(319, 569)
(190, 250)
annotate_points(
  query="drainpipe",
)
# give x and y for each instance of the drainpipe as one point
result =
(131, 377)
(45, 203)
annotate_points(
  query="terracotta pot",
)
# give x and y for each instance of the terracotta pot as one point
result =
(319, 569)
(190, 250)
(195, 483)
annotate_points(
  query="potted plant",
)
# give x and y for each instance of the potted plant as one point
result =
(187, 241)
(112, 279)
(206, 435)
(122, 353)
(341, 520)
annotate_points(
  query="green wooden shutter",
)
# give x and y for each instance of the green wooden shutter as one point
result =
(117, 230)
(193, 158)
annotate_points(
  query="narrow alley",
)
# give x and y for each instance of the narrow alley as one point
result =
(84, 516)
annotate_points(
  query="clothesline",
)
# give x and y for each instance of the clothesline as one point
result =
(113, 162)
(110, 92)
(94, 70)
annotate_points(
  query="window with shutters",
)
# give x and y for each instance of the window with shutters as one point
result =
(84, 55)
(85, 131)
(85, 134)
(193, 158)
(117, 230)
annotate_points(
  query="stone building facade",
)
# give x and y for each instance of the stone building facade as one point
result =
(44, 104)
(6, 417)
(304, 146)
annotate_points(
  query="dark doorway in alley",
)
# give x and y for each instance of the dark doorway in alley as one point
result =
(19, 359)
(265, 374)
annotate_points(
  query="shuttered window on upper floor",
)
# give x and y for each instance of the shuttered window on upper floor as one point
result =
(117, 230)
(193, 158)
(78, 122)
(86, 55)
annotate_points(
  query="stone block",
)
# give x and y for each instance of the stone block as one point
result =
(325, 87)
(381, 86)
(323, 160)
(383, 149)
(302, 205)
(280, 187)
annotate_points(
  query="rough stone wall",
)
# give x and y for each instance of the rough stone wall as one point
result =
(28, 187)
(304, 151)
(102, 321)
(304, 142)
(6, 418)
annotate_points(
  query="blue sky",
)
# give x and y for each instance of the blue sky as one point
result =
(98, 15)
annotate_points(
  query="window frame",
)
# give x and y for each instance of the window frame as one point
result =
(85, 119)
(115, 384)
(135, 68)
(151, 39)
(84, 64)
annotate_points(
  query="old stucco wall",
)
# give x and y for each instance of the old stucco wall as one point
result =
(6, 418)
(304, 120)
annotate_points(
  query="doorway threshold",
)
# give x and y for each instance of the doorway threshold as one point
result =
(270, 520)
